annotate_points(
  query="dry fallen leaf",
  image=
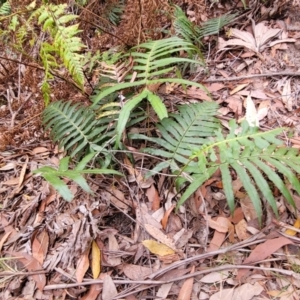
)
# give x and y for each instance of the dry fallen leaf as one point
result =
(109, 288)
(286, 95)
(220, 224)
(135, 272)
(248, 208)
(293, 232)
(251, 112)
(157, 248)
(94, 290)
(216, 241)
(241, 230)
(215, 277)
(4, 238)
(96, 260)
(160, 236)
(31, 264)
(113, 247)
(163, 291)
(82, 265)
(187, 288)
(262, 251)
(153, 197)
(40, 246)
(247, 291)
(238, 88)
(165, 219)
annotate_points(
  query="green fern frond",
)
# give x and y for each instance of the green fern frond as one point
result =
(64, 41)
(213, 26)
(190, 32)
(21, 35)
(76, 128)
(5, 9)
(114, 12)
(53, 175)
(181, 134)
(185, 28)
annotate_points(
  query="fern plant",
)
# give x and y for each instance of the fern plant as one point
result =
(153, 62)
(193, 33)
(63, 43)
(60, 46)
(254, 156)
(5, 9)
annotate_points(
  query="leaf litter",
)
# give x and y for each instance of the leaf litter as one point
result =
(126, 241)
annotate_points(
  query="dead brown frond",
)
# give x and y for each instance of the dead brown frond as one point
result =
(143, 20)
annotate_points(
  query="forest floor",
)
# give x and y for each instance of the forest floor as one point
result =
(52, 249)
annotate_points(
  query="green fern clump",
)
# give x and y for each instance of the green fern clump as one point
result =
(153, 63)
(194, 147)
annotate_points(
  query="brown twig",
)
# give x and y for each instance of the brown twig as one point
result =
(6, 273)
(285, 73)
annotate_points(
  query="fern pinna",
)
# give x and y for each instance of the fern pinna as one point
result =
(195, 148)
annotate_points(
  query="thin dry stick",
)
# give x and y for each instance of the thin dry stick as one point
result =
(251, 76)
(6, 273)
(157, 282)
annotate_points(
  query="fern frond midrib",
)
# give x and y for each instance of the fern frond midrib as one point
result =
(207, 148)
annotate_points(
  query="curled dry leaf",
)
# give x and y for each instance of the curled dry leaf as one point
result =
(165, 219)
(293, 232)
(216, 241)
(113, 247)
(241, 230)
(220, 224)
(248, 208)
(251, 112)
(164, 290)
(40, 246)
(215, 277)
